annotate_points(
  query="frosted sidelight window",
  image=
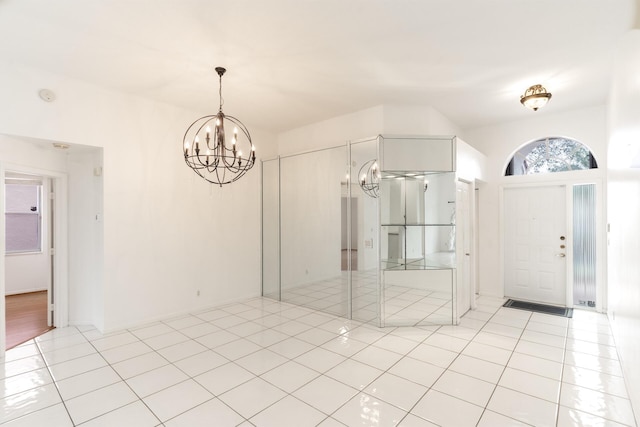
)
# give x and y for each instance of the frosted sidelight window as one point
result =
(23, 222)
(584, 245)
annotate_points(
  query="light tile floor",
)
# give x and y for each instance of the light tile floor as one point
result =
(265, 363)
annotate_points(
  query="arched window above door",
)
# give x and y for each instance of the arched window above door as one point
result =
(549, 155)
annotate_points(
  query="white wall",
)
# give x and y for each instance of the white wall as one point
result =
(471, 164)
(332, 132)
(499, 143)
(86, 239)
(381, 119)
(167, 234)
(417, 120)
(623, 211)
(26, 273)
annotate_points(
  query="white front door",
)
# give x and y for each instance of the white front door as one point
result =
(535, 244)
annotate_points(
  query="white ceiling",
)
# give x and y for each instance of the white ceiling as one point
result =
(294, 62)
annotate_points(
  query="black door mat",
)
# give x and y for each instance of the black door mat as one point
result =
(539, 308)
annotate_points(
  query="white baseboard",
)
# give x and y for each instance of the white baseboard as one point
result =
(23, 291)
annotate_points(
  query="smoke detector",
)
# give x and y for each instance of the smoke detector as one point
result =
(47, 95)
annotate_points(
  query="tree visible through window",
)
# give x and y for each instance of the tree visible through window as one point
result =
(550, 155)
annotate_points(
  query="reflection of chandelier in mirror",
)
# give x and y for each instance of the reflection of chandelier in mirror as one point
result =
(369, 178)
(215, 161)
(417, 176)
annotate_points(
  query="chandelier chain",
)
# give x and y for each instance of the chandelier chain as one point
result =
(220, 92)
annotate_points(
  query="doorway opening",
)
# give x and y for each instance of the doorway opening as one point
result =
(550, 230)
(28, 257)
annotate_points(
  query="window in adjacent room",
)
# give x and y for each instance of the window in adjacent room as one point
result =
(23, 219)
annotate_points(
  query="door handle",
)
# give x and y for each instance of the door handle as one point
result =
(561, 255)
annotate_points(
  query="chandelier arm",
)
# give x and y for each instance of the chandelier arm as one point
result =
(226, 162)
(192, 125)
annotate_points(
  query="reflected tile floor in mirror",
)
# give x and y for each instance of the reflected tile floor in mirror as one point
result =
(403, 306)
(266, 363)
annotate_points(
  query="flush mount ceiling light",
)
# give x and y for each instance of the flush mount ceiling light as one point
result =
(210, 155)
(535, 97)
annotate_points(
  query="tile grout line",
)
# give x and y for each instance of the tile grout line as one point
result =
(564, 358)
(55, 383)
(505, 366)
(274, 327)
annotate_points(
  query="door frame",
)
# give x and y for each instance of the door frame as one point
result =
(60, 275)
(473, 243)
(601, 236)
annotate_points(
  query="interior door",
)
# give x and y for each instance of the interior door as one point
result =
(463, 246)
(535, 244)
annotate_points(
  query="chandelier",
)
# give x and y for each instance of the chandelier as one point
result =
(535, 97)
(369, 178)
(209, 154)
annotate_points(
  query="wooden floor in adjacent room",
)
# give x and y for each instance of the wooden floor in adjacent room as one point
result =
(26, 316)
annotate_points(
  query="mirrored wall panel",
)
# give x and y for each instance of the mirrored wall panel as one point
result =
(364, 228)
(271, 229)
(312, 232)
(344, 236)
(417, 243)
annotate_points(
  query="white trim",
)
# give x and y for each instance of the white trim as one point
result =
(473, 279)
(568, 203)
(3, 322)
(26, 291)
